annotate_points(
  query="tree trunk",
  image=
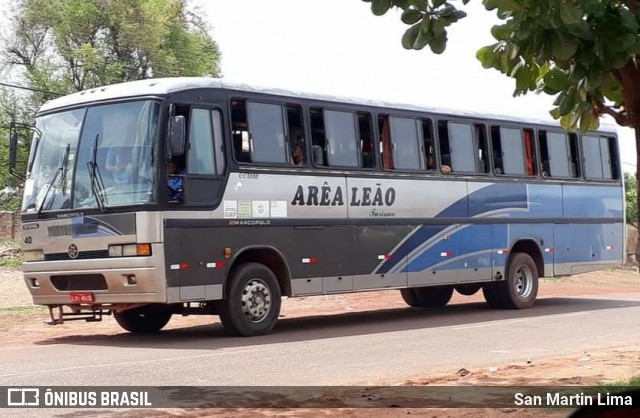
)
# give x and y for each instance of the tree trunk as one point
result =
(629, 77)
(637, 132)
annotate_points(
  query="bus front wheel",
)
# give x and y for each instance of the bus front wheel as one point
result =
(520, 287)
(145, 319)
(252, 305)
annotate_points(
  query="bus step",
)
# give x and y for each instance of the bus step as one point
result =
(59, 316)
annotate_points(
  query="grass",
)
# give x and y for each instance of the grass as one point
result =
(13, 262)
(634, 381)
(10, 243)
(22, 309)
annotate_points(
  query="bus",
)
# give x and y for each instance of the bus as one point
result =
(197, 196)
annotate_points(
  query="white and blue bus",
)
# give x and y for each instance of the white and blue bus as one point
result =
(271, 193)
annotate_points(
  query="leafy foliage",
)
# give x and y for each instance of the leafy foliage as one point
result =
(428, 20)
(631, 199)
(73, 45)
(583, 51)
(13, 107)
(69, 45)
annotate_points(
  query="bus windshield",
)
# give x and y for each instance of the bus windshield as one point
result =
(93, 157)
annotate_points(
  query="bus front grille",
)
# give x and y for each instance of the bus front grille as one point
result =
(83, 255)
(68, 282)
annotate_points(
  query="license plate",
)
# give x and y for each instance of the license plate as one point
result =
(82, 297)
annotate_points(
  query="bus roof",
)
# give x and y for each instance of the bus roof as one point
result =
(164, 86)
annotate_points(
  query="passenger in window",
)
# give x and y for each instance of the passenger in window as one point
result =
(431, 165)
(175, 173)
(297, 155)
(368, 158)
(119, 163)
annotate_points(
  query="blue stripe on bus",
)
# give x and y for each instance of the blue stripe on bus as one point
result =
(498, 197)
(86, 226)
(586, 243)
(493, 198)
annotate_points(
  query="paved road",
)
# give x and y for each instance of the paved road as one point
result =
(342, 349)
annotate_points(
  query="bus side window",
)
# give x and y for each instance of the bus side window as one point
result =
(428, 144)
(529, 152)
(512, 151)
(558, 154)
(200, 153)
(445, 150)
(267, 133)
(367, 148)
(574, 166)
(297, 141)
(318, 143)
(480, 140)
(600, 157)
(386, 149)
(341, 138)
(407, 143)
(614, 165)
(240, 132)
(462, 152)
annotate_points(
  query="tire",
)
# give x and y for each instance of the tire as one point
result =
(491, 295)
(519, 289)
(410, 298)
(145, 319)
(252, 303)
(469, 289)
(433, 296)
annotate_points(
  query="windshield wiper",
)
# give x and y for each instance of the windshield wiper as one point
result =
(97, 185)
(35, 148)
(62, 168)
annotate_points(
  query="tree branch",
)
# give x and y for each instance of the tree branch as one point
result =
(620, 117)
(633, 5)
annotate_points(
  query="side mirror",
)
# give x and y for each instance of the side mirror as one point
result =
(177, 135)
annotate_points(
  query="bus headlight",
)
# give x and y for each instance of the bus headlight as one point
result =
(33, 255)
(130, 250)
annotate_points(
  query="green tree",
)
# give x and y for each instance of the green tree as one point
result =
(70, 45)
(631, 198)
(14, 106)
(584, 51)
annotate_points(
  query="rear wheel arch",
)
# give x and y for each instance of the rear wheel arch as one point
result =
(532, 249)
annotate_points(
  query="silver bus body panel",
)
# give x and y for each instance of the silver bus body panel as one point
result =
(148, 271)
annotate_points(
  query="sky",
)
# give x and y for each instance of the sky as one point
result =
(339, 47)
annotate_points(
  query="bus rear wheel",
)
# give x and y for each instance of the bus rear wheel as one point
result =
(520, 287)
(144, 320)
(252, 305)
(434, 296)
(427, 297)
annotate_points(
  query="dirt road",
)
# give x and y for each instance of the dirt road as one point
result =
(22, 329)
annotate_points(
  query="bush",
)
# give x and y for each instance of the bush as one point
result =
(631, 198)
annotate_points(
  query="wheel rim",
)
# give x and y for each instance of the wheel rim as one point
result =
(523, 281)
(256, 300)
